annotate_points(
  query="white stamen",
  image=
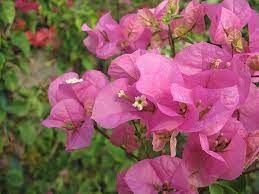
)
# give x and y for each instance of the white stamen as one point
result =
(216, 63)
(74, 80)
(121, 93)
(140, 102)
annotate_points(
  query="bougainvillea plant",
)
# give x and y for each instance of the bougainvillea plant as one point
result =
(198, 107)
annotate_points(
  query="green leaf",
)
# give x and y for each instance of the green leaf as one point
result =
(216, 189)
(19, 108)
(11, 80)
(14, 178)
(7, 11)
(87, 64)
(227, 187)
(28, 133)
(2, 116)
(20, 40)
(2, 60)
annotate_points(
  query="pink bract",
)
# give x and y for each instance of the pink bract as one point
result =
(211, 157)
(159, 174)
(104, 39)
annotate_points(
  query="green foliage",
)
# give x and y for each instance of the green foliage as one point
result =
(7, 11)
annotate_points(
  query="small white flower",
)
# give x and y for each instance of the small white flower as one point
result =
(140, 102)
(74, 80)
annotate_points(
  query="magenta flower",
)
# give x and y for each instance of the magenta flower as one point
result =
(70, 115)
(205, 110)
(193, 19)
(253, 27)
(125, 66)
(218, 156)
(122, 187)
(54, 86)
(84, 90)
(161, 174)
(104, 39)
(124, 135)
(72, 99)
(26, 5)
(136, 36)
(223, 23)
(252, 151)
(201, 56)
(126, 102)
(248, 113)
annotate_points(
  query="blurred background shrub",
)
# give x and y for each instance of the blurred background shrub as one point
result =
(38, 42)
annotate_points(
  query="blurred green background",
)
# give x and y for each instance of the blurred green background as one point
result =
(32, 158)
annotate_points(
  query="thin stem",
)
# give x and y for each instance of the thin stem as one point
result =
(108, 137)
(255, 76)
(251, 171)
(171, 41)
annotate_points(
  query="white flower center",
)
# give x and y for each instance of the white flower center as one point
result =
(140, 102)
(121, 93)
(216, 63)
(74, 80)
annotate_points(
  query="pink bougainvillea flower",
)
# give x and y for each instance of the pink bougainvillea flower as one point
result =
(81, 138)
(218, 156)
(161, 174)
(26, 5)
(201, 56)
(69, 115)
(252, 151)
(157, 73)
(54, 86)
(126, 102)
(193, 19)
(125, 66)
(103, 40)
(136, 36)
(124, 135)
(223, 22)
(240, 8)
(83, 89)
(205, 110)
(253, 27)
(248, 113)
(122, 187)
(72, 99)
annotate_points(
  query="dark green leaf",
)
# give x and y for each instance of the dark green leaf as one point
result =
(227, 187)
(7, 11)
(216, 189)
(11, 80)
(2, 60)
(28, 133)
(19, 108)
(14, 178)
(20, 40)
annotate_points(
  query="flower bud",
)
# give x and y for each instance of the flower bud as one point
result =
(172, 9)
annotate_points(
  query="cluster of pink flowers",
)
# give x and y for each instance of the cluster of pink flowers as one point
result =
(206, 92)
